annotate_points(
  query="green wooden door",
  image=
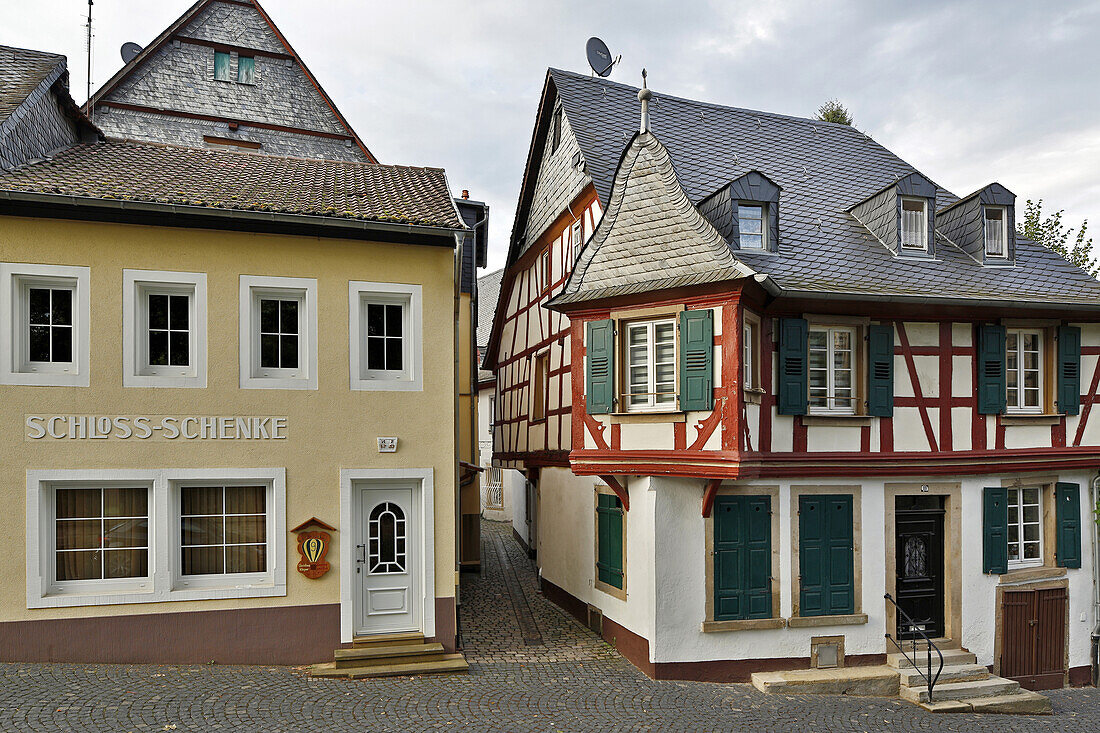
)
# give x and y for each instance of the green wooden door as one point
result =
(826, 549)
(742, 557)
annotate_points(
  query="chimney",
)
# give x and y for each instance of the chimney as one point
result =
(644, 95)
(465, 194)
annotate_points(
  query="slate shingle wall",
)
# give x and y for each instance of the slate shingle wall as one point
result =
(559, 182)
(234, 25)
(134, 125)
(880, 215)
(34, 129)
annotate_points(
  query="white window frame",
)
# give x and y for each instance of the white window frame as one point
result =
(411, 378)
(576, 241)
(1003, 255)
(830, 408)
(253, 288)
(750, 353)
(1020, 408)
(1018, 491)
(651, 404)
(764, 220)
(137, 285)
(923, 229)
(164, 582)
(15, 367)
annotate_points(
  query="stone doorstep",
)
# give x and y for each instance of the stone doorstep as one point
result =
(961, 690)
(1024, 702)
(955, 673)
(951, 657)
(384, 655)
(452, 663)
(877, 681)
(408, 637)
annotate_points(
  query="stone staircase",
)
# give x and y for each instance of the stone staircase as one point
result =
(963, 686)
(390, 655)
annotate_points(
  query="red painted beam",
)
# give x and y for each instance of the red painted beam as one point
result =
(709, 494)
(620, 492)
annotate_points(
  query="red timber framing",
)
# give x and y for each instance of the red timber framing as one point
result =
(708, 495)
(620, 491)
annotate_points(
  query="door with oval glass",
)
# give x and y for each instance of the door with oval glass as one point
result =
(387, 562)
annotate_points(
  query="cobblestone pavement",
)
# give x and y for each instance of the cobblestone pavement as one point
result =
(532, 669)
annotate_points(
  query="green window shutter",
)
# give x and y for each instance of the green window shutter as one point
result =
(1068, 518)
(792, 366)
(609, 524)
(600, 367)
(991, 369)
(697, 359)
(1069, 370)
(880, 371)
(826, 555)
(995, 530)
(742, 557)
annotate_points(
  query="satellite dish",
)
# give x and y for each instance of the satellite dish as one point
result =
(129, 51)
(599, 58)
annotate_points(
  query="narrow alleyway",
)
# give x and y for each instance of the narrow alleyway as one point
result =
(532, 669)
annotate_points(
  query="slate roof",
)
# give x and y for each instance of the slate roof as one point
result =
(824, 169)
(21, 71)
(651, 237)
(488, 291)
(231, 180)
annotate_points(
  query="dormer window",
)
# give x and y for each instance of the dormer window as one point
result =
(996, 236)
(751, 223)
(914, 224)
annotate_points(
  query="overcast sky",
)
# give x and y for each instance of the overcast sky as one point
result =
(967, 93)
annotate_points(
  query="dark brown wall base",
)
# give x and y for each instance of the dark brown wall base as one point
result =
(285, 635)
(1080, 676)
(636, 649)
(279, 635)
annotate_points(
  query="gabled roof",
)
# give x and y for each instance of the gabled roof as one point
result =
(824, 169)
(21, 72)
(651, 237)
(173, 30)
(242, 182)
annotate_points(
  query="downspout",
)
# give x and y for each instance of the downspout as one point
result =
(1094, 497)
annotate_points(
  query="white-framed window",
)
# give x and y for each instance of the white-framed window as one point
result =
(278, 332)
(100, 537)
(651, 365)
(831, 369)
(995, 227)
(576, 241)
(1025, 527)
(386, 332)
(914, 224)
(164, 329)
(1024, 370)
(750, 346)
(752, 225)
(44, 325)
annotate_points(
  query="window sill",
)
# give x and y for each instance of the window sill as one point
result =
(610, 590)
(60, 599)
(1031, 575)
(837, 420)
(754, 396)
(798, 622)
(626, 418)
(1036, 419)
(747, 624)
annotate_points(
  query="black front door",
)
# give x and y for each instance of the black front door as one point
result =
(919, 552)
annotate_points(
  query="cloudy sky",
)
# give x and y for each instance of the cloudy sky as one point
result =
(966, 92)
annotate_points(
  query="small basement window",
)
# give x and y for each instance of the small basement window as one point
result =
(752, 225)
(996, 235)
(221, 66)
(914, 224)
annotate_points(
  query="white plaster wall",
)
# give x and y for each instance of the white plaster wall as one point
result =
(516, 490)
(567, 545)
(1028, 436)
(833, 438)
(922, 334)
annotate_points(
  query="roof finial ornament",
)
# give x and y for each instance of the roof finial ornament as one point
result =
(644, 95)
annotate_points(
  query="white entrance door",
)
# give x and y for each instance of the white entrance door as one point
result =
(387, 568)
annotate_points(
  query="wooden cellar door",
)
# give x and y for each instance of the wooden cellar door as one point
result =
(1033, 645)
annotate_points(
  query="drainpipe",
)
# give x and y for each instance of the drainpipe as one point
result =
(1094, 496)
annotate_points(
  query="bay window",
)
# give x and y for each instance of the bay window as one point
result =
(651, 365)
(831, 353)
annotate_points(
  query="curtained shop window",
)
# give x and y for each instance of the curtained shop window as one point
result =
(101, 533)
(223, 529)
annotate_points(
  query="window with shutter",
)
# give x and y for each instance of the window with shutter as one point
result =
(995, 530)
(697, 359)
(792, 366)
(1068, 519)
(992, 393)
(1069, 370)
(826, 555)
(600, 367)
(742, 557)
(609, 541)
(880, 371)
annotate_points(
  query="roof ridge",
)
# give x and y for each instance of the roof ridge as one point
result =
(59, 56)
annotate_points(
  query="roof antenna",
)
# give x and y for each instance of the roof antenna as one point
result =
(89, 40)
(599, 57)
(644, 95)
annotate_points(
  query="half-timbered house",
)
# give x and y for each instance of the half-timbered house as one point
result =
(784, 376)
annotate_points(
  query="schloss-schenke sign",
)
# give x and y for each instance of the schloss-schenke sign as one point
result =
(154, 427)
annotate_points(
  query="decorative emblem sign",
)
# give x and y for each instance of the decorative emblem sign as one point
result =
(313, 547)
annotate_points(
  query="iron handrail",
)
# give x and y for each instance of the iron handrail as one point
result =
(929, 679)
